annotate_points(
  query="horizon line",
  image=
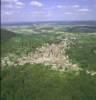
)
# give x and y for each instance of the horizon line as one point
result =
(6, 23)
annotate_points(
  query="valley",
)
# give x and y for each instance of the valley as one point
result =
(48, 61)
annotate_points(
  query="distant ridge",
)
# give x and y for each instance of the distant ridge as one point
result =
(52, 22)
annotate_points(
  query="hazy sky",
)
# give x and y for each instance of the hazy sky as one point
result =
(47, 10)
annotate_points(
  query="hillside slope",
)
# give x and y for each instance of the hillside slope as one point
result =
(6, 35)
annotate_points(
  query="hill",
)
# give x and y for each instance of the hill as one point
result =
(6, 35)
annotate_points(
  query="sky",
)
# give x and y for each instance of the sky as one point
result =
(47, 10)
